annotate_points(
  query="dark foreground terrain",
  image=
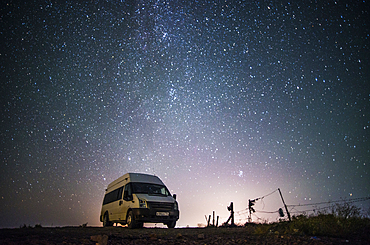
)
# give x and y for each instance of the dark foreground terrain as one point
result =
(122, 235)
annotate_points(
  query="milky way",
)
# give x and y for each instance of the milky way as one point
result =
(224, 101)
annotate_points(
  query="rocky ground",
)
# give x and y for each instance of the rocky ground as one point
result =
(122, 235)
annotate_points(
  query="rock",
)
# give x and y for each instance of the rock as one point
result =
(201, 236)
(153, 236)
(100, 239)
(178, 236)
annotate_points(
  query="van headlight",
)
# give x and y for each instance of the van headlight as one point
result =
(142, 203)
(176, 206)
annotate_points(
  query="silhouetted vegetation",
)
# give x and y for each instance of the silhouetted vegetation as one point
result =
(344, 221)
(84, 225)
(24, 226)
(38, 226)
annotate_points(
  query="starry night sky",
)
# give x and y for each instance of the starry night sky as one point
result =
(225, 101)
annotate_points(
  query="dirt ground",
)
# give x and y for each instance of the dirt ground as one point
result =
(123, 235)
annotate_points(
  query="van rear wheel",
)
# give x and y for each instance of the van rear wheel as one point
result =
(171, 224)
(106, 221)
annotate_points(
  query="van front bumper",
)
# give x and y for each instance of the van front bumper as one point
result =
(155, 216)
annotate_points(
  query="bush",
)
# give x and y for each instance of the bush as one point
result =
(345, 221)
(24, 226)
(262, 229)
(346, 211)
(38, 226)
(322, 224)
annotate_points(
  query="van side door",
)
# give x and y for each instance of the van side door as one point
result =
(127, 200)
(115, 209)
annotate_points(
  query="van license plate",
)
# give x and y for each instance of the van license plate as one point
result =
(162, 213)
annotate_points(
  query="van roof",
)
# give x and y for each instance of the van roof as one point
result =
(134, 177)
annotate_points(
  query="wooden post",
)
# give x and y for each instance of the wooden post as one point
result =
(231, 217)
(217, 221)
(286, 208)
(213, 219)
(250, 212)
(231, 208)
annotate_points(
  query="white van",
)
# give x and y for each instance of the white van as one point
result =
(134, 199)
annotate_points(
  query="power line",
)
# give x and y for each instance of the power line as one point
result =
(269, 194)
(258, 198)
(359, 199)
(318, 209)
(267, 212)
(308, 210)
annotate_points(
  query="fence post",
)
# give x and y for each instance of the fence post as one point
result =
(286, 208)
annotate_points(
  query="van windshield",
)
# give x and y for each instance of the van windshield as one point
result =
(150, 189)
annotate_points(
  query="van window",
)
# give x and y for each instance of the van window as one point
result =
(113, 196)
(150, 189)
(128, 192)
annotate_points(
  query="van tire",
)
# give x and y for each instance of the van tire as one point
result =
(130, 220)
(171, 224)
(106, 221)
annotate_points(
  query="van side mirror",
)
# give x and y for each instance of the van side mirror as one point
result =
(174, 196)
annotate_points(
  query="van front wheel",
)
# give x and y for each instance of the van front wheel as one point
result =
(130, 220)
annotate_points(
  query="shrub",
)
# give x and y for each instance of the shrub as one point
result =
(346, 211)
(24, 226)
(38, 226)
(262, 229)
(344, 221)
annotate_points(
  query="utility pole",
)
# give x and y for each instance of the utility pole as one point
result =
(286, 208)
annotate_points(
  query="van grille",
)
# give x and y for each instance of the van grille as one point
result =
(161, 205)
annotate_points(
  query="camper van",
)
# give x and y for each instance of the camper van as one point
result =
(135, 199)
